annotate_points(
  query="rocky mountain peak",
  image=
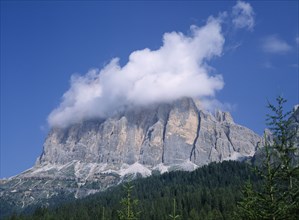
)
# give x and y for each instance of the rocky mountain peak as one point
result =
(91, 156)
(223, 116)
(295, 115)
(167, 133)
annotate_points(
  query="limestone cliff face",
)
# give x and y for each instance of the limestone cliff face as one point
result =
(91, 156)
(162, 134)
(295, 124)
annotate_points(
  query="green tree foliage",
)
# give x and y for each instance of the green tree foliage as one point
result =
(128, 204)
(174, 216)
(210, 192)
(103, 213)
(278, 195)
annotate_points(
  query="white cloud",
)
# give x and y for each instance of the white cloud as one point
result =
(273, 44)
(178, 68)
(213, 104)
(243, 15)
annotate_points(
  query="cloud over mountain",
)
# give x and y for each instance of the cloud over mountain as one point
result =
(178, 68)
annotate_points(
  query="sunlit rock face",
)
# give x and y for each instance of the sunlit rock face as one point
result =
(295, 124)
(164, 133)
(93, 155)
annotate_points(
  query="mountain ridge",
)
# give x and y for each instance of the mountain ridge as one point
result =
(143, 127)
(91, 156)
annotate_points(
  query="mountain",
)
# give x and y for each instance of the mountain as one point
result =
(295, 124)
(209, 192)
(93, 155)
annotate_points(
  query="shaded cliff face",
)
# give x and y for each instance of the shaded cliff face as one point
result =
(94, 155)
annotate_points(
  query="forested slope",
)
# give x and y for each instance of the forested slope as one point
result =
(210, 192)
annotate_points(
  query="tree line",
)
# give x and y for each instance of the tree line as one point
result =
(267, 189)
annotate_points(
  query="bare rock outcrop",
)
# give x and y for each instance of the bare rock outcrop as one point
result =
(93, 155)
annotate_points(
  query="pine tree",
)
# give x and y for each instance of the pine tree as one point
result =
(103, 214)
(277, 198)
(284, 156)
(127, 212)
(174, 216)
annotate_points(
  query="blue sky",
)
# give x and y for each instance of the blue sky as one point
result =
(44, 43)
